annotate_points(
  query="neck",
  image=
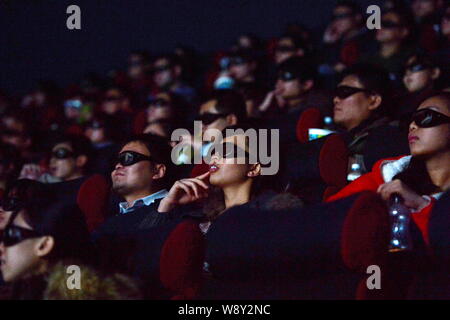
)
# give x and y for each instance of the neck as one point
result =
(292, 103)
(439, 170)
(130, 199)
(390, 48)
(237, 194)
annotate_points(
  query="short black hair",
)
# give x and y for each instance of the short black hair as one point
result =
(302, 68)
(297, 40)
(231, 102)
(161, 152)
(81, 146)
(374, 79)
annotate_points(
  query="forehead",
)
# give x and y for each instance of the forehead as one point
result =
(351, 81)
(136, 146)
(209, 107)
(65, 145)
(438, 104)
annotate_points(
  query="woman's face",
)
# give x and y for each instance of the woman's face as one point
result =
(445, 24)
(391, 29)
(229, 171)
(350, 112)
(20, 259)
(431, 141)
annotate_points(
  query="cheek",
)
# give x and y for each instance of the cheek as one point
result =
(19, 260)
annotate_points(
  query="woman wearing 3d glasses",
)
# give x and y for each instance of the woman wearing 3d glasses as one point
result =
(422, 177)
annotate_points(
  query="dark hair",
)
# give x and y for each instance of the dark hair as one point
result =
(160, 150)
(65, 223)
(416, 177)
(302, 68)
(231, 102)
(297, 40)
(375, 80)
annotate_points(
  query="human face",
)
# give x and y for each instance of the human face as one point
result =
(344, 19)
(240, 69)
(163, 73)
(63, 168)
(20, 259)
(136, 69)
(423, 8)
(160, 108)
(285, 50)
(4, 218)
(289, 89)
(96, 135)
(137, 178)
(350, 112)
(445, 24)
(112, 103)
(226, 171)
(416, 80)
(427, 142)
(210, 108)
(391, 29)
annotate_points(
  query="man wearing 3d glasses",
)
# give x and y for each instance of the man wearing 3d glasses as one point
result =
(141, 177)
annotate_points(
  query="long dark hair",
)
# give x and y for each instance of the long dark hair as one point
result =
(416, 177)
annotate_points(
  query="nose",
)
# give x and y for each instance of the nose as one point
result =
(413, 126)
(336, 100)
(118, 166)
(214, 159)
(2, 248)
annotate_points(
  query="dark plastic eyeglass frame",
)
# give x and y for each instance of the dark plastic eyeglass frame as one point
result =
(208, 118)
(282, 77)
(68, 154)
(352, 91)
(222, 149)
(417, 67)
(437, 118)
(138, 157)
(11, 204)
(21, 234)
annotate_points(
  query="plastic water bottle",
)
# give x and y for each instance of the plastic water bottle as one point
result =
(400, 218)
(355, 172)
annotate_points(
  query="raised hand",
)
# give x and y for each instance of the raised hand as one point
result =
(185, 191)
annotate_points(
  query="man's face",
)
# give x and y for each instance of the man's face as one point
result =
(63, 163)
(164, 74)
(289, 89)
(344, 19)
(210, 108)
(241, 69)
(95, 135)
(391, 29)
(136, 69)
(423, 8)
(285, 50)
(137, 178)
(112, 103)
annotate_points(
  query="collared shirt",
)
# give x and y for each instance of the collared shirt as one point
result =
(146, 201)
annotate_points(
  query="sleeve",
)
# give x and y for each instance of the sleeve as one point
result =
(367, 182)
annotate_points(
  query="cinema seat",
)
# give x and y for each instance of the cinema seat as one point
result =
(181, 261)
(140, 122)
(309, 119)
(92, 199)
(333, 164)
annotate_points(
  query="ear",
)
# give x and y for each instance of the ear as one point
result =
(436, 73)
(254, 171)
(159, 171)
(44, 246)
(308, 84)
(375, 102)
(81, 161)
(232, 119)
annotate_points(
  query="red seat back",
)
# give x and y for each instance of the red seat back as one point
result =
(310, 118)
(92, 199)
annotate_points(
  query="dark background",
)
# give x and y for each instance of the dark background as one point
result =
(35, 43)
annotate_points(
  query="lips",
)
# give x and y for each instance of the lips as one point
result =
(213, 168)
(412, 139)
